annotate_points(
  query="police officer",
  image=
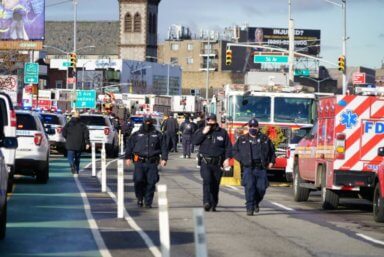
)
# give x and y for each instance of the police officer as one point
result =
(187, 128)
(256, 153)
(215, 151)
(146, 148)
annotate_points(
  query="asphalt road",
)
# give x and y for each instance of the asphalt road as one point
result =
(50, 220)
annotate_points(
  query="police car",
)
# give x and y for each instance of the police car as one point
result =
(57, 123)
(138, 121)
(102, 130)
(8, 120)
(32, 155)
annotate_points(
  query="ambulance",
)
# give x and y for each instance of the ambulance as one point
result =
(340, 155)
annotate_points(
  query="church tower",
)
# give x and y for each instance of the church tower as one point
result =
(138, 29)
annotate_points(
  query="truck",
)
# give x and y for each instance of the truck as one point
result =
(187, 104)
(280, 112)
(340, 155)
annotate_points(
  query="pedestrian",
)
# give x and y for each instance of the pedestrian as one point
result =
(187, 128)
(171, 128)
(76, 135)
(256, 154)
(214, 153)
(129, 125)
(147, 149)
(200, 121)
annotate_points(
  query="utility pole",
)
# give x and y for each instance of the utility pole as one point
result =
(345, 82)
(74, 49)
(291, 35)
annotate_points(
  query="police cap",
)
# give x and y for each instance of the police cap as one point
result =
(253, 122)
(212, 116)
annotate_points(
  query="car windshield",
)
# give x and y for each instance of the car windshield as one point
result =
(293, 110)
(93, 120)
(50, 119)
(25, 122)
(247, 107)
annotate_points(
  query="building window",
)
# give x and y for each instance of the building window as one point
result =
(190, 47)
(128, 23)
(59, 84)
(174, 60)
(137, 23)
(150, 23)
(174, 47)
(189, 60)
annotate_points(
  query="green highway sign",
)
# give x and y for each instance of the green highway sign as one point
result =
(86, 99)
(31, 73)
(270, 59)
(66, 64)
(305, 73)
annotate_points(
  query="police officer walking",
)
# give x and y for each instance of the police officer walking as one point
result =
(146, 148)
(256, 153)
(170, 127)
(214, 153)
(187, 128)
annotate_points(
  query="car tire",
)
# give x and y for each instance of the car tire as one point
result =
(378, 205)
(288, 177)
(11, 179)
(329, 198)
(42, 176)
(3, 221)
(300, 194)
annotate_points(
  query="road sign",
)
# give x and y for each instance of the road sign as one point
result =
(359, 78)
(270, 59)
(31, 73)
(85, 99)
(305, 72)
(66, 63)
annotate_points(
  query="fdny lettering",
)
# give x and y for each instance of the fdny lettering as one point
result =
(375, 127)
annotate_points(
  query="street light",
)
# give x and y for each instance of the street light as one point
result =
(317, 81)
(168, 68)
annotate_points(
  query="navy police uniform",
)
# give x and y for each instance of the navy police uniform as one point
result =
(254, 151)
(145, 147)
(187, 129)
(215, 147)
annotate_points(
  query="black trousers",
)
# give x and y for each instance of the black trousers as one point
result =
(187, 145)
(211, 175)
(172, 141)
(145, 177)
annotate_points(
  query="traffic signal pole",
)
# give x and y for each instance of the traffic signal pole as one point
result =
(345, 82)
(74, 49)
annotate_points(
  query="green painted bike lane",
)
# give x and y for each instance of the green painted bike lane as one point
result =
(48, 220)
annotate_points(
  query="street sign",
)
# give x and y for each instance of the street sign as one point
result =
(305, 73)
(359, 78)
(270, 59)
(66, 64)
(85, 99)
(31, 73)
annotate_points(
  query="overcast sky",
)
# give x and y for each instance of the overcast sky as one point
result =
(364, 20)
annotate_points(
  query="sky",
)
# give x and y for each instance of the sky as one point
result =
(365, 30)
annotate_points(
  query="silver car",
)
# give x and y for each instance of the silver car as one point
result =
(57, 123)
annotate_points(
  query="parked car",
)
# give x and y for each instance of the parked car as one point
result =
(5, 143)
(101, 130)
(138, 121)
(57, 123)
(32, 155)
(8, 119)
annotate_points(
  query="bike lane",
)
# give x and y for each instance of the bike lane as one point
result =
(48, 220)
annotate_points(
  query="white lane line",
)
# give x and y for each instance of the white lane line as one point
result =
(233, 187)
(92, 223)
(368, 238)
(151, 246)
(282, 206)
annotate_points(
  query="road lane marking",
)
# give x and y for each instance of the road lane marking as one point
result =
(368, 238)
(148, 241)
(282, 206)
(92, 223)
(233, 187)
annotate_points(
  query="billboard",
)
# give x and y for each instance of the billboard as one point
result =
(22, 19)
(307, 41)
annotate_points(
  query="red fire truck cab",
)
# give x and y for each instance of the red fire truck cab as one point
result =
(341, 154)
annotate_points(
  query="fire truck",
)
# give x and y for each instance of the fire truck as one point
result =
(342, 154)
(281, 111)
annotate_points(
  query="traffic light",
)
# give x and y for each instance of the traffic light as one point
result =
(35, 89)
(341, 63)
(228, 57)
(73, 59)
